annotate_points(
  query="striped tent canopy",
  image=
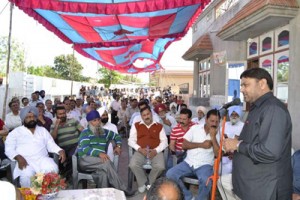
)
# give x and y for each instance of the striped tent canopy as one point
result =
(117, 33)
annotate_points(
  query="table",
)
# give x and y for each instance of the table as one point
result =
(91, 194)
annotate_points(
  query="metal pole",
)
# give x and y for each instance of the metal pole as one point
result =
(8, 61)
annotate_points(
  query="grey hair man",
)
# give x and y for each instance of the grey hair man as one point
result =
(164, 189)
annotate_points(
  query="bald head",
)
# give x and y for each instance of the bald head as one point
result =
(164, 189)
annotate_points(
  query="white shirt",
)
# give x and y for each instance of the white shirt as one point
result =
(168, 128)
(21, 141)
(136, 117)
(84, 123)
(233, 130)
(42, 99)
(110, 126)
(198, 157)
(132, 140)
(130, 111)
(78, 110)
(33, 103)
(115, 105)
(73, 115)
(12, 121)
(197, 121)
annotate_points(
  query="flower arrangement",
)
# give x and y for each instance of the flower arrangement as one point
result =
(27, 194)
(47, 183)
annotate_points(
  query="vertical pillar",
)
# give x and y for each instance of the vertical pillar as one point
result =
(294, 83)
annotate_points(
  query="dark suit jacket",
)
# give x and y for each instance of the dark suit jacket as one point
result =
(262, 166)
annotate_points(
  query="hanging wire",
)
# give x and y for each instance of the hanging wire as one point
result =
(4, 8)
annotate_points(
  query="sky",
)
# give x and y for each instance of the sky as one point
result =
(41, 45)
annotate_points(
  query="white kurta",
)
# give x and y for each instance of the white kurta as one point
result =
(7, 190)
(110, 126)
(197, 121)
(33, 147)
(231, 131)
(12, 121)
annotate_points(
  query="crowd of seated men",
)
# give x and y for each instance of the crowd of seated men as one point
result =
(39, 127)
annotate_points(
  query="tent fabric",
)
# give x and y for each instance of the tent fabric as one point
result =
(117, 33)
(122, 58)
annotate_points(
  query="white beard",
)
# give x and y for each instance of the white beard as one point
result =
(97, 130)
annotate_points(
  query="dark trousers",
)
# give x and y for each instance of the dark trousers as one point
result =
(114, 117)
(66, 167)
(2, 150)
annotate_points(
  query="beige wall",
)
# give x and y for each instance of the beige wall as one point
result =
(173, 79)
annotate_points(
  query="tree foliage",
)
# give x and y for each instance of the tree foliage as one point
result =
(47, 71)
(17, 55)
(109, 77)
(131, 78)
(68, 68)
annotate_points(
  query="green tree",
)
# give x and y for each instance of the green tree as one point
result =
(132, 79)
(17, 59)
(68, 67)
(46, 71)
(109, 77)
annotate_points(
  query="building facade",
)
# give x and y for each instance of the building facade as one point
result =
(233, 35)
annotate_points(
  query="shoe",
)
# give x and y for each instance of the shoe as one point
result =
(129, 193)
(142, 189)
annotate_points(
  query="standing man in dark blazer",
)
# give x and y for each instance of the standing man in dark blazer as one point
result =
(262, 154)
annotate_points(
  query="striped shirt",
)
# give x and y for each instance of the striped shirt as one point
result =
(91, 145)
(177, 135)
(67, 134)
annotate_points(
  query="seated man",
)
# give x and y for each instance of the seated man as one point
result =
(201, 112)
(148, 138)
(166, 189)
(66, 132)
(233, 129)
(29, 146)
(201, 145)
(176, 137)
(92, 155)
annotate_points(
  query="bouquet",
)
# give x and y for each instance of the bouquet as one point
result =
(47, 183)
(27, 194)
